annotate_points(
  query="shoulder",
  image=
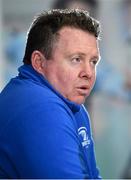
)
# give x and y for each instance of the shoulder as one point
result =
(37, 107)
(28, 93)
(32, 105)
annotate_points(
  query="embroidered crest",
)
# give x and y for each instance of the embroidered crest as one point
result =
(82, 131)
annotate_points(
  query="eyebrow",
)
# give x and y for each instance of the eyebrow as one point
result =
(77, 53)
(97, 57)
(83, 54)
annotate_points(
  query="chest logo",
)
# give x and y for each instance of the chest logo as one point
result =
(82, 131)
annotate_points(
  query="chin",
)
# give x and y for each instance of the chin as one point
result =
(79, 101)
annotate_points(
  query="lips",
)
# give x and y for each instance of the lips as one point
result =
(83, 90)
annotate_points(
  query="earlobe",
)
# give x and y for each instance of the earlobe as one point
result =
(37, 61)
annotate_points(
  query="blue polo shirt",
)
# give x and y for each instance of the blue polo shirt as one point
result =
(42, 134)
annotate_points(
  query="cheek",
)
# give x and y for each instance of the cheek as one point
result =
(67, 82)
(92, 80)
(65, 77)
(63, 74)
(94, 77)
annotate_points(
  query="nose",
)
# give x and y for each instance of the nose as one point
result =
(87, 72)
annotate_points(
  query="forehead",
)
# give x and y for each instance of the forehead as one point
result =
(73, 38)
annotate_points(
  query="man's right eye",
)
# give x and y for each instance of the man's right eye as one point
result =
(76, 59)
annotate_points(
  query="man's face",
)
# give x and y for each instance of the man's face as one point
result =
(72, 68)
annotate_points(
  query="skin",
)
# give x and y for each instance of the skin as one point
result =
(72, 68)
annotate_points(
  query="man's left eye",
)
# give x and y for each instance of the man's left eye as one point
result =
(94, 61)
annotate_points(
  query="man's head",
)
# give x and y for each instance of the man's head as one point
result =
(62, 46)
(43, 33)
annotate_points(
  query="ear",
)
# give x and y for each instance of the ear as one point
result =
(37, 61)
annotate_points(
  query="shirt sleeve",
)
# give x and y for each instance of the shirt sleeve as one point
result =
(43, 143)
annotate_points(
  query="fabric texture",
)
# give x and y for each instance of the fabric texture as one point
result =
(42, 134)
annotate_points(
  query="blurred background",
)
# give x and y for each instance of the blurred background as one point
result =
(109, 104)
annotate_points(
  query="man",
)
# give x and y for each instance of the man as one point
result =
(92, 7)
(44, 128)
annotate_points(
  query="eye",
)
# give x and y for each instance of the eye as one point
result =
(94, 61)
(76, 59)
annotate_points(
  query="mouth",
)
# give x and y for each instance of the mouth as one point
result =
(83, 90)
